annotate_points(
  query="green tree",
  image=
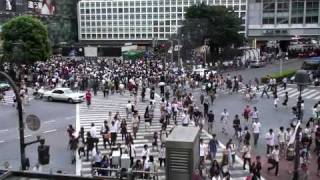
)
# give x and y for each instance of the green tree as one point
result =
(218, 26)
(25, 40)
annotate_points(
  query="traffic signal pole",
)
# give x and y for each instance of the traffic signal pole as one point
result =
(20, 114)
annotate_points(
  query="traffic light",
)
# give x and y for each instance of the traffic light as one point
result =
(43, 154)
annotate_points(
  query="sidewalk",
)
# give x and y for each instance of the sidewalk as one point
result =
(286, 168)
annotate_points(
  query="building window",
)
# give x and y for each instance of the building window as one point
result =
(312, 12)
(283, 6)
(269, 6)
(268, 20)
(297, 11)
(282, 20)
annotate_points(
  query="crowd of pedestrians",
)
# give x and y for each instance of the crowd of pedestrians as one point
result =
(177, 106)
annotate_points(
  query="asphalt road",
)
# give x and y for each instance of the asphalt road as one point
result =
(251, 73)
(55, 117)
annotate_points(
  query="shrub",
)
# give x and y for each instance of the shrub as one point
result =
(288, 73)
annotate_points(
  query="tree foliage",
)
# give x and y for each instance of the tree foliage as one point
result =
(216, 24)
(25, 40)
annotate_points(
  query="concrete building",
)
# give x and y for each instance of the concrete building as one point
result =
(282, 20)
(139, 20)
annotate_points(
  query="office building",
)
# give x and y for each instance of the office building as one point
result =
(283, 20)
(139, 20)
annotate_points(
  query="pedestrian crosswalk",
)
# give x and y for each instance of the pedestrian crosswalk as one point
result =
(8, 97)
(293, 92)
(98, 112)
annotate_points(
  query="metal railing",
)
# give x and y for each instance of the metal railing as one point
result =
(122, 173)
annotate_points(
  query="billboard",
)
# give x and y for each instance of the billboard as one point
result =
(42, 7)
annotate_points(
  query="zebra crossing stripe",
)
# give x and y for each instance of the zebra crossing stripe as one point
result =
(308, 92)
(283, 91)
(313, 95)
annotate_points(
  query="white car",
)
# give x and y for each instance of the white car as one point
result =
(63, 94)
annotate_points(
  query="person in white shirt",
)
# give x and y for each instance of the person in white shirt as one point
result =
(282, 141)
(93, 131)
(129, 109)
(255, 114)
(275, 160)
(275, 102)
(185, 119)
(162, 155)
(203, 149)
(270, 140)
(256, 126)
(113, 131)
(224, 120)
(145, 152)
(246, 150)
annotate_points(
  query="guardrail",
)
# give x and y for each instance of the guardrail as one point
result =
(123, 174)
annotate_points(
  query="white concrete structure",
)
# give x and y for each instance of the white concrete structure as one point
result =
(125, 20)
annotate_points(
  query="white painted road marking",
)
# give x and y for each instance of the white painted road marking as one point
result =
(4, 130)
(2, 142)
(26, 136)
(49, 131)
(50, 121)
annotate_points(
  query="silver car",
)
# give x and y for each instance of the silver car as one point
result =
(63, 94)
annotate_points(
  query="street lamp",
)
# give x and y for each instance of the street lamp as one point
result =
(302, 80)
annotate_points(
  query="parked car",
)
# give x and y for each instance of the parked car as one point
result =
(63, 94)
(4, 86)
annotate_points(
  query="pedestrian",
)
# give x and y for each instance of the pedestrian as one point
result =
(284, 83)
(105, 133)
(246, 113)
(185, 118)
(147, 118)
(246, 135)
(88, 98)
(124, 130)
(132, 152)
(155, 141)
(282, 141)
(225, 166)
(93, 133)
(113, 131)
(89, 144)
(276, 101)
(246, 155)
(256, 128)
(162, 155)
(236, 125)
(255, 169)
(210, 121)
(270, 138)
(129, 109)
(285, 100)
(213, 147)
(73, 148)
(231, 148)
(274, 160)
(254, 114)
(215, 170)
(265, 91)
(224, 120)
(135, 124)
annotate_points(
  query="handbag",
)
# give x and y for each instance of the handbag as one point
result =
(106, 135)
